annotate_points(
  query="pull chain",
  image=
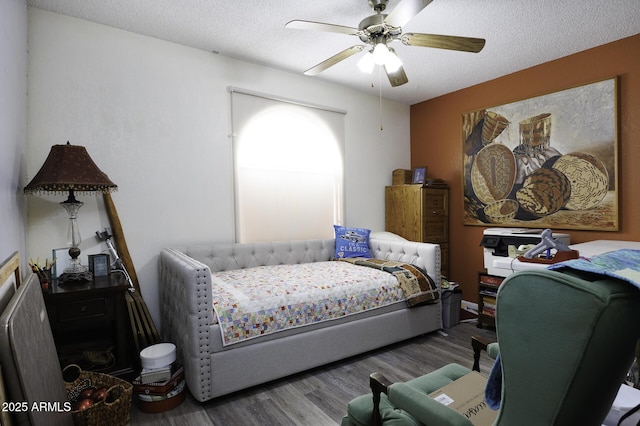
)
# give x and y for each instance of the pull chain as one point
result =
(380, 95)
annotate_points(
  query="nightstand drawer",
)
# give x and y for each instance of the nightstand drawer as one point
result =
(83, 309)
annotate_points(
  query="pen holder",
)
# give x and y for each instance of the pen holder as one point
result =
(44, 276)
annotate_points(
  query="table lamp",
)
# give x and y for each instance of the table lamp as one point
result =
(70, 168)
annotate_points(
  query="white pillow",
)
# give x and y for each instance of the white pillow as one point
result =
(386, 236)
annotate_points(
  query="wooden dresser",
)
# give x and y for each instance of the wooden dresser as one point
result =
(420, 213)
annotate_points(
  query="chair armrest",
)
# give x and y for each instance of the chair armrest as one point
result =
(426, 410)
(379, 384)
(479, 343)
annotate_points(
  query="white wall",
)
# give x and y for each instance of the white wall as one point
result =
(13, 126)
(155, 117)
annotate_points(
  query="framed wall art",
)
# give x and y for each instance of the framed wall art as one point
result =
(544, 162)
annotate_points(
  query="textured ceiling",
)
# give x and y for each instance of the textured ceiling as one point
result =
(519, 34)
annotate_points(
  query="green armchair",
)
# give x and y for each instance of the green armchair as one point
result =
(566, 342)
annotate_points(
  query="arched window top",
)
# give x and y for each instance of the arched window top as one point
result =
(287, 137)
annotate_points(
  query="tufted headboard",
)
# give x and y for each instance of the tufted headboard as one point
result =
(229, 256)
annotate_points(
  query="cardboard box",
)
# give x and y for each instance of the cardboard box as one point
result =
(466, 396)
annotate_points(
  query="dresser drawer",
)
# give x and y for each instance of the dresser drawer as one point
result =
(436, 202)
(82, 309)
(435, 229)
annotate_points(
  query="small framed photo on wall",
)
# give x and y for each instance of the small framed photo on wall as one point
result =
(99, 265)
(419, 175)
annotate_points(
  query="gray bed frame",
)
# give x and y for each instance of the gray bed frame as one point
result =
(212, 370)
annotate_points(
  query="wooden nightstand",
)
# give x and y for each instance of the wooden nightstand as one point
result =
(90, 325)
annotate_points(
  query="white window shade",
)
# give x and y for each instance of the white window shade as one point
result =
(288, 168)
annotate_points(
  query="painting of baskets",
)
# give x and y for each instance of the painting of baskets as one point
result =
(557, 168)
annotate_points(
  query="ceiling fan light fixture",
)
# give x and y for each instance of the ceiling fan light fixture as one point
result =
(380, 53)
(366, 63)
(377, 30)
(392, 62)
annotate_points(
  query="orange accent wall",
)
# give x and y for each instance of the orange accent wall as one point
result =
(436, 140)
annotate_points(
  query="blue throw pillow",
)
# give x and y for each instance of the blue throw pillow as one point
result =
(351, 242)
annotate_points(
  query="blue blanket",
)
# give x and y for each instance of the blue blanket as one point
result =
(493, 389)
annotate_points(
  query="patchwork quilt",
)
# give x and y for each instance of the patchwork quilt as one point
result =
(253, 302)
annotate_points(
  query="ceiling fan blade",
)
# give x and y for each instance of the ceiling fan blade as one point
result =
(397, 77)
(319, 26)
(405, 11)
(465, 44)
(327, 63)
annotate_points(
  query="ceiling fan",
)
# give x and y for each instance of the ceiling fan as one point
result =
(380, 29)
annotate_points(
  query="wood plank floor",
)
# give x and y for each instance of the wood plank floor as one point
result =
(320, 396)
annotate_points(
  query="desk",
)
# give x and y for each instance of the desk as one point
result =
(502, 267)
(505, 266)
(90, 325)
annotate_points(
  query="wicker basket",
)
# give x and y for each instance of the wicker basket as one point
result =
(113, 409)
(501, 211)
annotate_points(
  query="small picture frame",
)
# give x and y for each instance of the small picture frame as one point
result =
(99, 265)
(61, 261)
(419, 175)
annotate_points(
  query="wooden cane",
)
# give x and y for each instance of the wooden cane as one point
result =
(142, 326)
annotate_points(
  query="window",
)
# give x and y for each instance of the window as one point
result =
(288, 169)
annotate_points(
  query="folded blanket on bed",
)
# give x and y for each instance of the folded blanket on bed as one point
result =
(416, 284)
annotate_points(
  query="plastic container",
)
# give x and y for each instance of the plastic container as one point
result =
(158, 356)
(451, 303)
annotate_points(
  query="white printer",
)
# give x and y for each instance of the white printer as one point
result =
(496, 242)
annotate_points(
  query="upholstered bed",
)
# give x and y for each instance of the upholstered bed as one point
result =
(216, 364)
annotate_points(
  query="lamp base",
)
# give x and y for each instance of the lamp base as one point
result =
(74, 278)
(75, 267)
